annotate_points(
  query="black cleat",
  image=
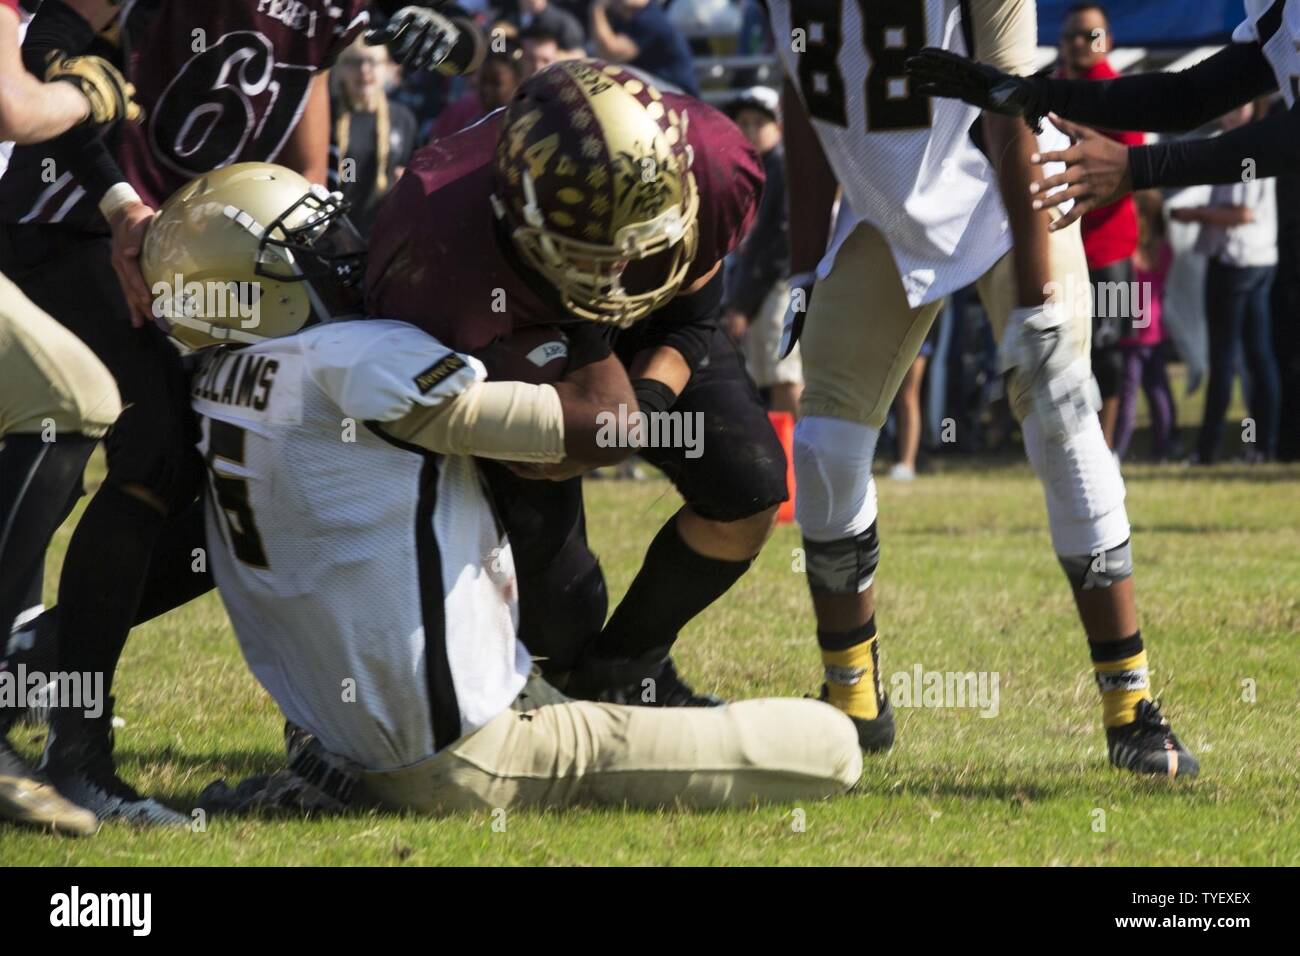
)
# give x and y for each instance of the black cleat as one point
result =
(80, 764)
(660, 688)
(26, 797)
(1148, 745)
(876, 734)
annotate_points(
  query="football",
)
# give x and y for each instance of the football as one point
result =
(537, 354)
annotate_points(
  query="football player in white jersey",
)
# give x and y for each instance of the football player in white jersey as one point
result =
(368, 582)
(930, 211)
(1263, 58)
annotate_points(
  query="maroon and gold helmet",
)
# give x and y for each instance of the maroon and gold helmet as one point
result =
(593, 173)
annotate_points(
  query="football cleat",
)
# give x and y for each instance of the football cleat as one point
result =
(1149, 746)
(80, 765)
(875, 734)
(32, 646)
(665, 689)
(26, 797)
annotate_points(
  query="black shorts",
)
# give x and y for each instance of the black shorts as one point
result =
(740, 466)
(69, 274)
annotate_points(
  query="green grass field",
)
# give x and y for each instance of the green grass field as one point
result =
(967, 583)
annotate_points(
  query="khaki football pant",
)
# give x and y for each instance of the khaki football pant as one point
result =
(552, 752)
(47, 375)
(860, 336)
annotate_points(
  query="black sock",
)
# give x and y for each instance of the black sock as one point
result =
(103, 577)
(675, 584)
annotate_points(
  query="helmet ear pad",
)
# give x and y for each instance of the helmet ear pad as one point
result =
(592, 179)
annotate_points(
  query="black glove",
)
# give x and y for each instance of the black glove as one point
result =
(935, 72)
(421, 38)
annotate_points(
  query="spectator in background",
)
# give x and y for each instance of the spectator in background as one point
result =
(1239, 235)
(907, 411)
(756, 291)
(541, 48)
(1144, 349)
(373, 135)
(491, 88)
(562, 25)
(639, 33)
(1110, 233)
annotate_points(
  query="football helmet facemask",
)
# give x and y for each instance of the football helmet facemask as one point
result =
(251, 252)
(592, 174)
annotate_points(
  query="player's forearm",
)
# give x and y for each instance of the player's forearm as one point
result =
(810, 186)
(32, 111)
(661, 364)
(609, 44)
(307, 151)
(1163, 102)
(1269, 147)
(1011, 143)
(588, 397)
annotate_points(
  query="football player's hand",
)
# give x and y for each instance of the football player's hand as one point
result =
(1096, 173)
(416, 37)
(935, 72)
(110, 96)
(129, 225)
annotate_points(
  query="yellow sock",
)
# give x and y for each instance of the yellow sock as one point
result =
(852, 681)
(1122, 683)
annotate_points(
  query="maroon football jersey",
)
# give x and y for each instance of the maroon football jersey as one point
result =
(439, 261)
(237, 100)
(221, 82)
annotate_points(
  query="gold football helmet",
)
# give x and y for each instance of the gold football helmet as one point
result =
(592, 173)
(251, 252)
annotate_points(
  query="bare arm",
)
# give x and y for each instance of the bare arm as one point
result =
(307, 151)
(615, 47)
(1012, 144)
(810, 185)
(1215, 215)
(32, 111)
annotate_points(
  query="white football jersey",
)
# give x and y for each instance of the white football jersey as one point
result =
(370, 587)
(1275, 25)
(906, 163)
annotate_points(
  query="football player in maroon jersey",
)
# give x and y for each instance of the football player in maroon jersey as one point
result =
(597, 200)
(221, 82)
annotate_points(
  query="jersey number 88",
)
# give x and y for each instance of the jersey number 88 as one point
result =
(892, 31)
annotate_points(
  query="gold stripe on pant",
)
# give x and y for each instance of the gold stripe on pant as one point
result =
(566, 753)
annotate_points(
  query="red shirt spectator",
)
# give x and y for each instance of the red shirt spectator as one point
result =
(1110, 234)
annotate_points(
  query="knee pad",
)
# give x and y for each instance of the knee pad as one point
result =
(844, 566)
(1100, 570)
(1084, 490)
(1047, 376)
(836, 496)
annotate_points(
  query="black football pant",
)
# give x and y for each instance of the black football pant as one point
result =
(69, 274)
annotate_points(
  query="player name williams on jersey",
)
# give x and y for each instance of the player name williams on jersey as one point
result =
(221, 82)
(907, 163)
(1275, 25)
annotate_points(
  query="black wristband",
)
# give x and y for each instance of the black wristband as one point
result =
(653, 395)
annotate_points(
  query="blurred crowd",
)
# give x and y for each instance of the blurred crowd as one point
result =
(1198, 289)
